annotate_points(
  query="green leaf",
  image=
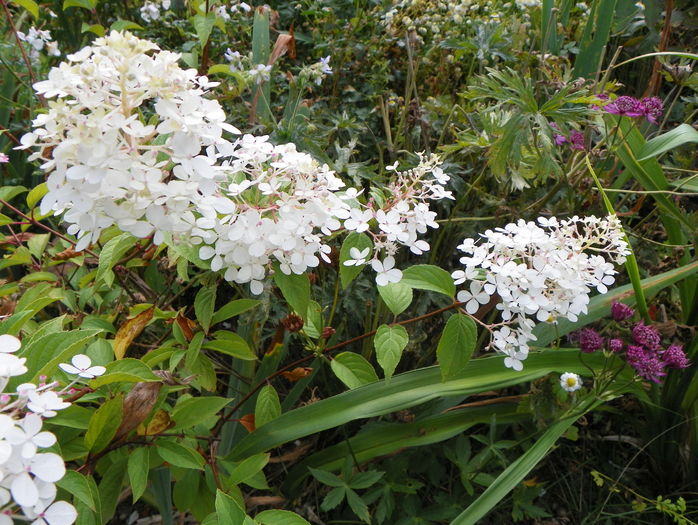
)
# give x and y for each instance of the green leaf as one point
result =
(333, 498)
(517, 471)
(360, 241)
(204, 305)
(194, 410)
(203, 25)
(397, 296)
(327, 478)
(231, 344)
(683, 134)
(365, 479)
(353, 370)
(179, 455)
(104, 424)
(124, 25)
(312, 320)
(138, 466)
(358, 506)
(112, 252)
(84, 4)
(126, 370)
(407, 390)
(30, 6)
(267, 407)
(36, 194)
(456, 345)
(429, 277)
(77, 485)
(389, 342)
(97, 29)
(45, 353)
(232, 309)
(228, 510)
(280, 517)
(295, 289)
(247, 468)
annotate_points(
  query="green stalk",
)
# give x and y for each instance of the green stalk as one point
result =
(631, 262)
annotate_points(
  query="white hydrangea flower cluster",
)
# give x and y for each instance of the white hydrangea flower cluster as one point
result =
(403, 216)
(542, 271)
(275, 203)
(246, 203)
(105, 166)
(27, 476)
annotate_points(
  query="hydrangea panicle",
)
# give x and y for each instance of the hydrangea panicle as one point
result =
(542, 271)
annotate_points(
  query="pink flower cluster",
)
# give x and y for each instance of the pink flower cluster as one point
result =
(642, 345)
(651, 108)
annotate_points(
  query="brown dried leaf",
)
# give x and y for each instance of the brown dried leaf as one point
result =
(137, 406)
(159, 423)
(294, 455)
(297, 373)
(187, 326)
(284, 44)
(131, 329)
(255, 501)
(247, 421)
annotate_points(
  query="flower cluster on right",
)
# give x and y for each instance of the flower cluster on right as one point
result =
(640, 344)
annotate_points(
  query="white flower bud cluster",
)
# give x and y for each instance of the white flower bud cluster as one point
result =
(27, 476)
(542, 271)
(131, 141)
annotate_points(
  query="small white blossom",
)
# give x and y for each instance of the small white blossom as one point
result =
(570, 382)
(358, 257)
(82, 366)
(385, 271)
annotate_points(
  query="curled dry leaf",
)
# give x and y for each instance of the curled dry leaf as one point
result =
(138, 404)
(131, 329)
(297, 373)
(247, 421)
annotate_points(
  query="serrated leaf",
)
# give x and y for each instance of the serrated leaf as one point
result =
(365, 479)
(138, 466)
(179, 455)
(228, 510)
(353, 370)
(397, 296)
(194, 410)
(456, 345)
(267, 407)
(248, 468)
(295, 289)
(232, 309)
(326, 478)
(203, 25)
(104, 424)
(125, 371)
(429, 277)
(113, 250)
(77, 485)
(389, 343)
(124, 25)
(358, 505)
(360, 241)
(204, 305)
(29, 5)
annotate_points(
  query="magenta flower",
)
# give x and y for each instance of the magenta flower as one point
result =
(675, 357)
(590, 340)
(616, 345)
(626, 106)
(647, 336)
(621, 312)
(654, 108)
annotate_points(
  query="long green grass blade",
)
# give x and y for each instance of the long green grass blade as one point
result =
(516, 472)
(405, 391)
(594, 39)
(380, 439)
